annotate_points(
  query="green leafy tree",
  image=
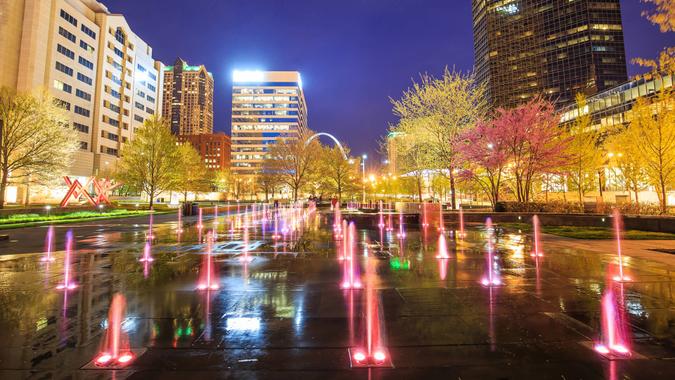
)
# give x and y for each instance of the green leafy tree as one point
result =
(627, 163)
(448, 106)
(336, 174)
(584, 155)
(36, 138)
(149, 161)
(191, 173)
(294, 161)
(652, 131)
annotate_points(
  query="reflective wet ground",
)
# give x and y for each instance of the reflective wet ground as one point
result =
(284, 315)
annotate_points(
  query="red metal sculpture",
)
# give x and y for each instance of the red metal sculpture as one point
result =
(77, 191)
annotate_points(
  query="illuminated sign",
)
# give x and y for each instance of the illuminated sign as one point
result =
(248, 76)
(508, 9)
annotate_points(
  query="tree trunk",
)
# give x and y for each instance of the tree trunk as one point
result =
(637, 200)
(3, 187)
(419, 187)
(185, 197)
(664, 201)
(26, 198)
(453, 198)
(151, 194)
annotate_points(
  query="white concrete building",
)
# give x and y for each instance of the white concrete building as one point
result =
(89, 59)
(266, 106)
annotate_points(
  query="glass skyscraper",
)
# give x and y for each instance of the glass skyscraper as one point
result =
(267, 106)
(553, 47)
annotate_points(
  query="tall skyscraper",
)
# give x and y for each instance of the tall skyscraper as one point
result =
(188, 98)
(554, 47)
(266, 106)
(91, 61)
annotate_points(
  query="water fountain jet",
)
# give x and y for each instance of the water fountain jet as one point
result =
(67, 284)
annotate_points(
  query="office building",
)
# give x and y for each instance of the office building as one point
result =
(267, 106)
(214, 148)
(92, 62)
(188, 98)
(611, 108)
(558, 48)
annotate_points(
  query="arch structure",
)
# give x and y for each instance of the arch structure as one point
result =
(344, 154)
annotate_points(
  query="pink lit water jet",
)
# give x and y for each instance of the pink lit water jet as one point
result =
(245, 257)
(199, 219)
(442, 269)
(49, 246)
(179, 228)
(617, 231)
(538, 252)
(492, 276)
(425, 222)
(67, 284)
(442, 248)
(373, 353)
(147, 257)
(215, 215)
(390, 223)
(115, 350)
(441, 220)
(276, 235)
(150, 234)
(462, 234)
(350, 273)
(401, 229)
(614, 335)
(207, 274)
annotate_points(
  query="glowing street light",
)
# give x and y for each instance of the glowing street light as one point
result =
(364, 157)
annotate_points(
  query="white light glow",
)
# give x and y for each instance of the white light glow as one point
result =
(248, 76)
(243, 324)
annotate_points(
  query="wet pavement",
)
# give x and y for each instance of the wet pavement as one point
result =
(283, 314)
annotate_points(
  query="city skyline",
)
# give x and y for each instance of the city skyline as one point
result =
(337, 49)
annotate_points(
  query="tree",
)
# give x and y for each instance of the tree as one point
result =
(663, 15)
(413, 151)
(450, 105)
(626, 161)
(584, 156)
(533, 142)
(149, 161)
(335, 171)
(267, 182)
(293, 159)
(191, 173)
(652, 131)
(36, 138)
(222, 180)
(485, 152)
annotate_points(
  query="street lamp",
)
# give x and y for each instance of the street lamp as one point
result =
(364, 157)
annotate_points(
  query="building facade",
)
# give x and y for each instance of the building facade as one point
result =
(188, 98)
(558, 48)
(214, 149)
(92, 62)
(267, 106)
(611, 108)
(610, 111)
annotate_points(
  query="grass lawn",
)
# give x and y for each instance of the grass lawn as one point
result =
(591, 233)
(28, 220)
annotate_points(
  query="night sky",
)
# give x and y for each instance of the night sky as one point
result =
(353, 54)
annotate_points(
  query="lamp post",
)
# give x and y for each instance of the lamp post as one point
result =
(364, 157)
